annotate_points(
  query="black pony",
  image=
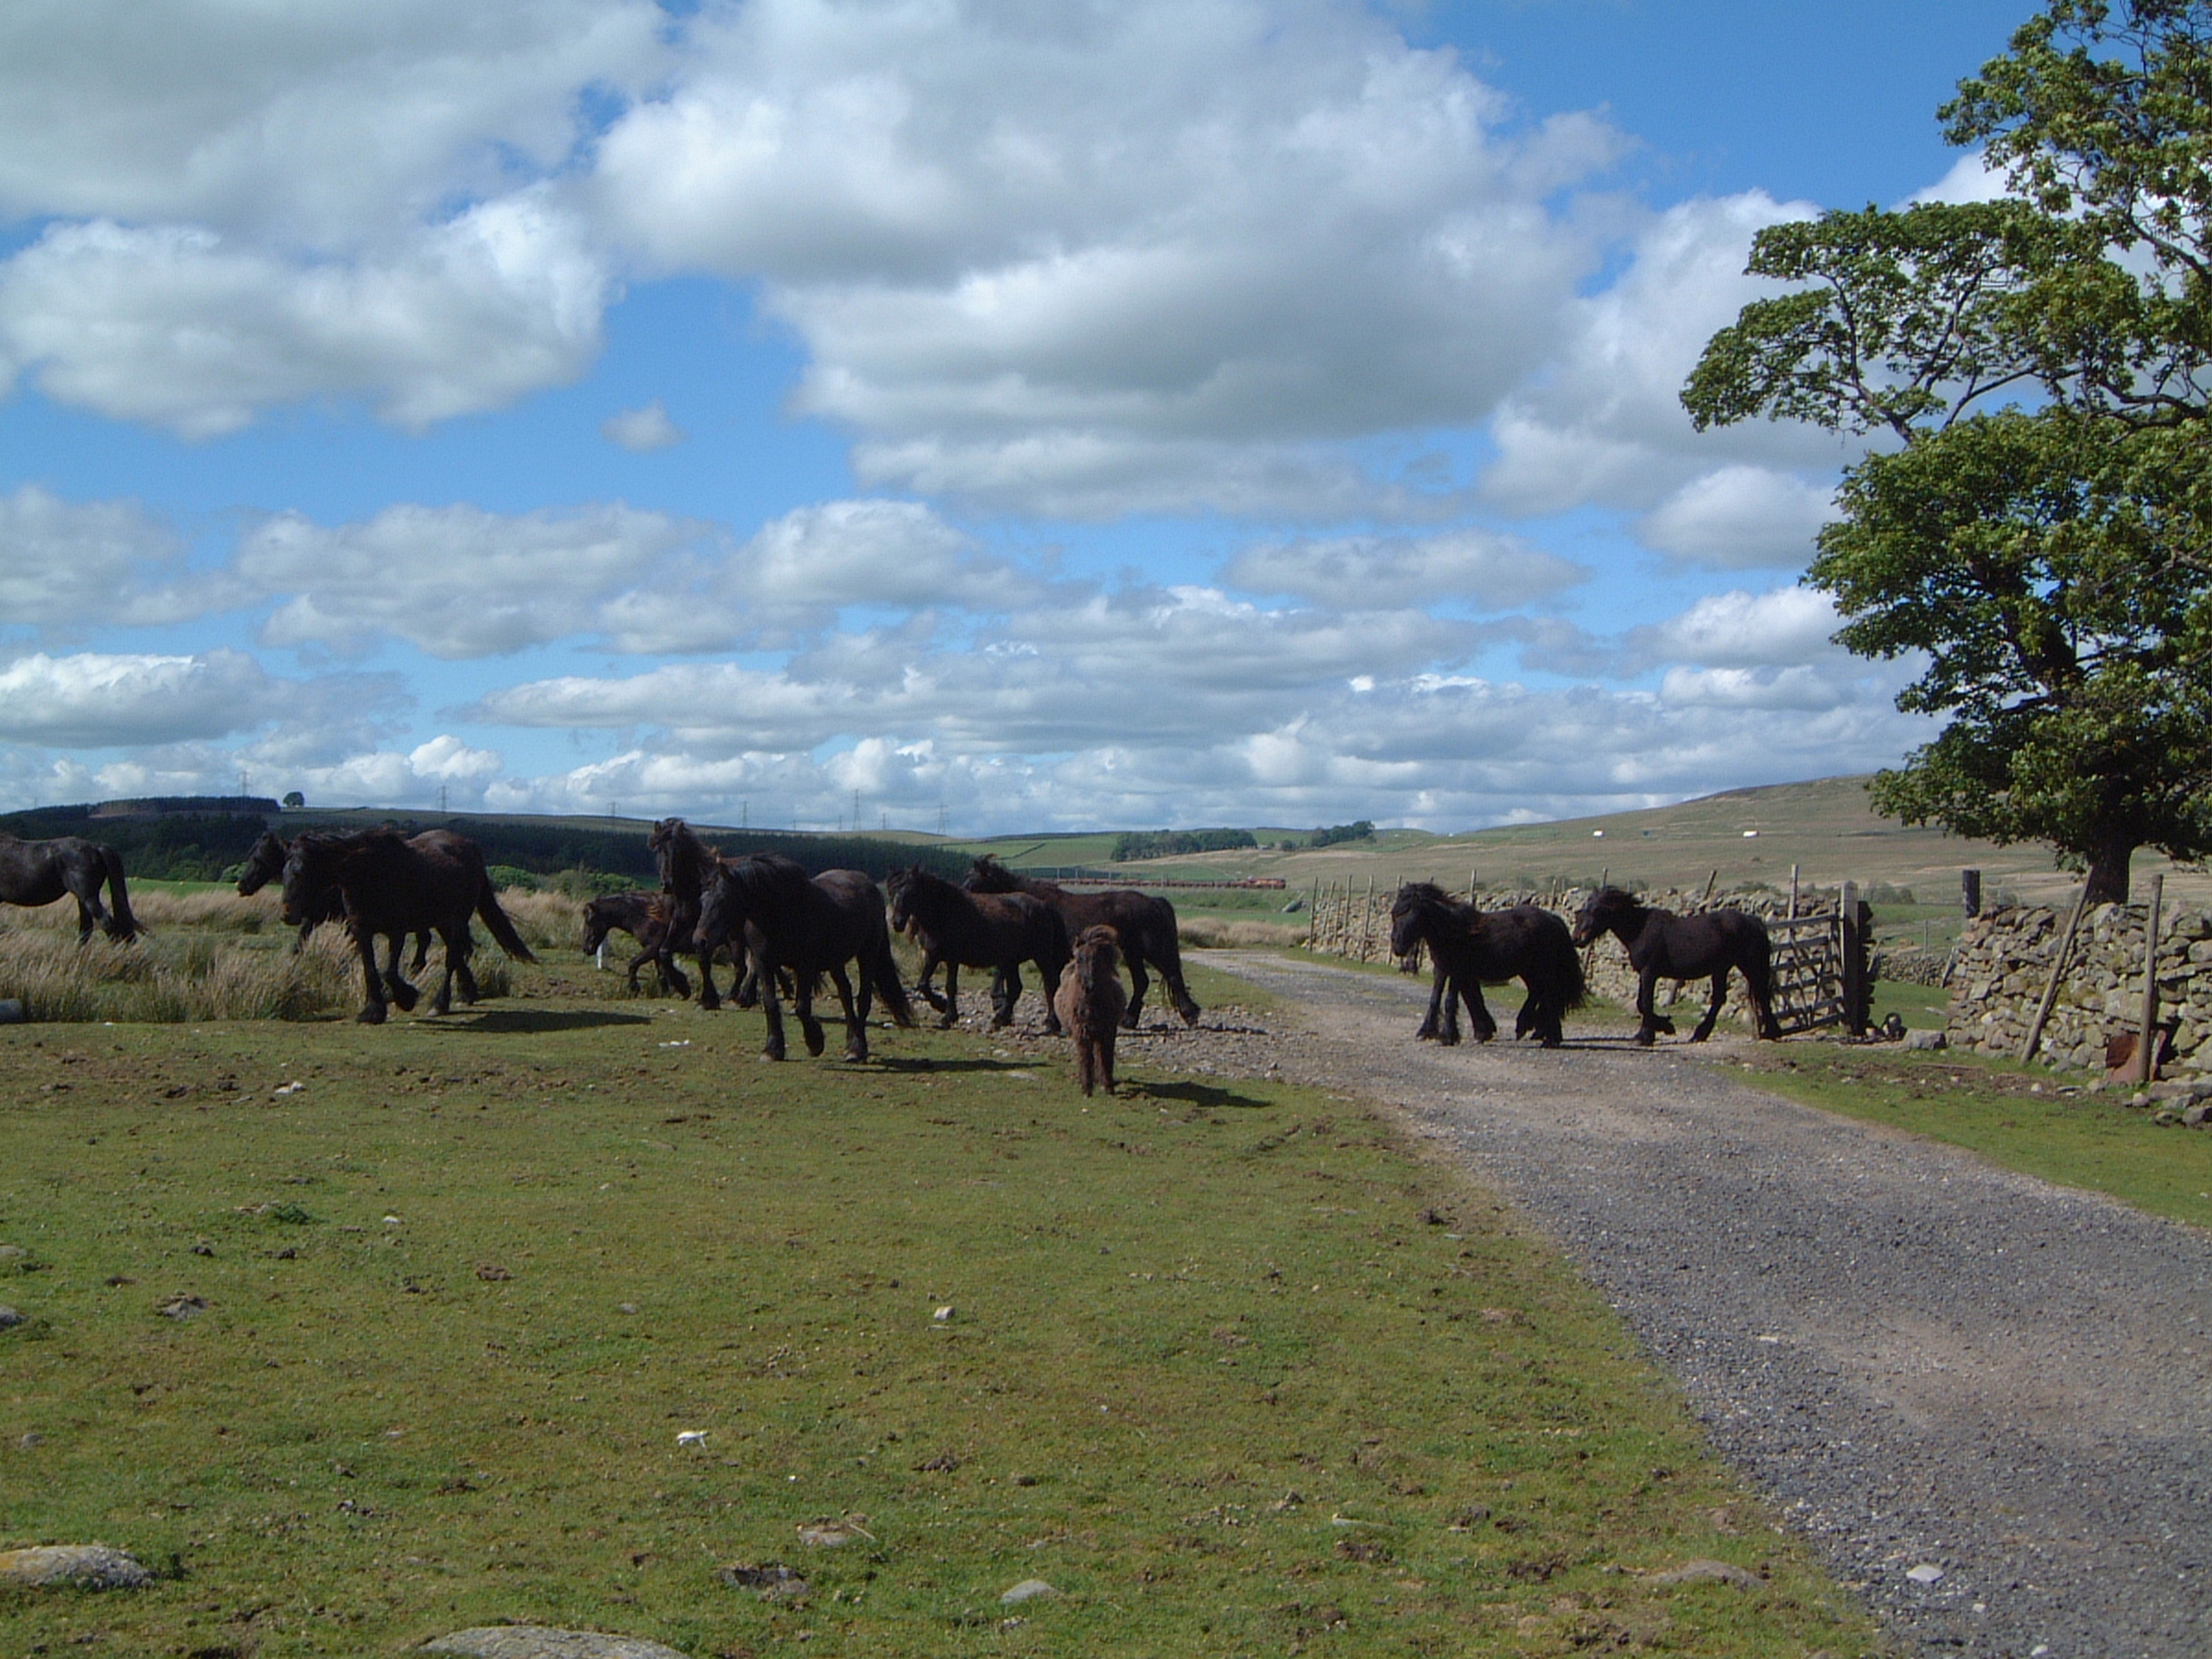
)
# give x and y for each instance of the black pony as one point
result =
(265, 863)
(37, 873)
(1145, 925)
(979, 930)
(396, 886)
(1470, 946)
(1664, 946)
(769, 908)
(644, 917)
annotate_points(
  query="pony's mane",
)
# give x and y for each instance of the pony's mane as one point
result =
(767, 876)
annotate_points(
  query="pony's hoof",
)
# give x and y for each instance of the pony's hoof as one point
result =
(711, 1004)
(1643, 1037)
(775, 1050)
(403, 1000)
(373, 1015)
(814, 1043)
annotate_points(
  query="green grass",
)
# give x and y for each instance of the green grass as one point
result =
(1229, 1365)
(2029, 1120)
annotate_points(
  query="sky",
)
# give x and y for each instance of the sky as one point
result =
(974, 414)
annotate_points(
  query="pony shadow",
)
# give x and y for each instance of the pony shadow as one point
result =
(528, 1022)
(1191, 1094)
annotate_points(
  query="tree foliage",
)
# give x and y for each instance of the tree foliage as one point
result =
(2034, 523)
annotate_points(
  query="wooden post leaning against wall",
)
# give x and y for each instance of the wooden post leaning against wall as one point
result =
(2058, 975)
(2146, 1034)
(1969, 893)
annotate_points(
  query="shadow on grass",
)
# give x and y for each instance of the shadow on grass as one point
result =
(1191, 1094)
(531, 1022)
(922, 1063)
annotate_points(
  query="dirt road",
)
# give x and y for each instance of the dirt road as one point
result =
(1926, 1364)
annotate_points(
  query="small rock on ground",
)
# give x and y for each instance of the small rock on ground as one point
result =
(1708, 1573)
(10, 1318)
(538, 1641)
(1027, 1590)
(72, 1567)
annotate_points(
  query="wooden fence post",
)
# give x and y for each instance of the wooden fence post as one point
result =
(1969, 892)
(2147, 1039)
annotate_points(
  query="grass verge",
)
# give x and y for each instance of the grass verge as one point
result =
(2023, 1119)
(411, 1346)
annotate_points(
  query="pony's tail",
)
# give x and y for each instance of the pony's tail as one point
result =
(1575, 989)
(1166, 951)
(488, 908)
(122, 927)
(881, 970)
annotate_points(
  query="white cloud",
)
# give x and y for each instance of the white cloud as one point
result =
(326, 122)
(1475, 566)
(1737, 629)
(1970, 179)
(457, 581)
(64, 563)
(180, 327)
(642, 431)
(1603, 421)
(1016, 239)
(91, 700)
(1740, 518)
(889, 553)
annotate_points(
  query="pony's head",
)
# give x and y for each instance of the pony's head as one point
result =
(988, 876)
(902, 886)
(265, 863)
(1415, 904)
(598, 921)
(1098, 953)
(722, 904)
(1605, 909)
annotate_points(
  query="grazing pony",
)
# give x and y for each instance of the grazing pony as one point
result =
(644, 917)
(265, 863)
(395, 886)
(1664, 946)
(1145, 925)
(1089, 1002)
(769, 907)
(977, 930)
(37, 873)
(1470, 946)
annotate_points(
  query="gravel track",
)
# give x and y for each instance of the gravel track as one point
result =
(1920, 1359)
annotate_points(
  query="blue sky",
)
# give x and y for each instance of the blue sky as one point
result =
(1138, 414)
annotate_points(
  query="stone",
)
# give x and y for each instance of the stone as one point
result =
(771, 1581)
(12, 1253)
(1926, 1040)
(540, 1642)
(1708, 1573)
(1027, 1590)
(72, 1567)
(10, 1318)
(182, 1307)
(1927, 1572)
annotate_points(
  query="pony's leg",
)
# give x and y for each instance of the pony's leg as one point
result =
(856, 1017)
(1436, 999)
(709, 998)
(773, 1009)
(1006, 997)
(373, 1011)
(1720, 993)
(1049, 988)
(1649, 1023)
(1106, 1036)
(923, 985)
(673, 978)
(1136, 994)
(1478, 1013)
(456, 952)
(951, 1005)
(747, 994)
(1087, 1062)
(402, 994)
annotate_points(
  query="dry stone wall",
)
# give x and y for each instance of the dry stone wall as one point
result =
(2002, 964)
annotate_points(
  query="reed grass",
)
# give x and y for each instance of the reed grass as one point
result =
(164, 979)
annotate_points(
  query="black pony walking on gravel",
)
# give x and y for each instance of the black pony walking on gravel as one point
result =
(979, 930)
(767, 907)
(1145, 925)
(1470, 946)
(36, 873)
(1664, 946)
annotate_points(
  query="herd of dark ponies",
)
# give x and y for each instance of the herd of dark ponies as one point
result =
(785, 930)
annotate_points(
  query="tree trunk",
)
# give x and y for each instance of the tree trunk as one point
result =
(2108, 859)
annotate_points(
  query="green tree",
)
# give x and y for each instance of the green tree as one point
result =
(2035, 519)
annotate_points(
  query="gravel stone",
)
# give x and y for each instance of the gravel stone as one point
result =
(1974, 1366)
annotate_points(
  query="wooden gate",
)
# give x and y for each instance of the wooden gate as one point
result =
(1820, 975)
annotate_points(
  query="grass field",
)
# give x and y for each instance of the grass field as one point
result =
(409, 1347)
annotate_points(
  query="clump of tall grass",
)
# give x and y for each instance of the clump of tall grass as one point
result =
(547, 921)
(165, 980)
(1214, 933)
(202, 912)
